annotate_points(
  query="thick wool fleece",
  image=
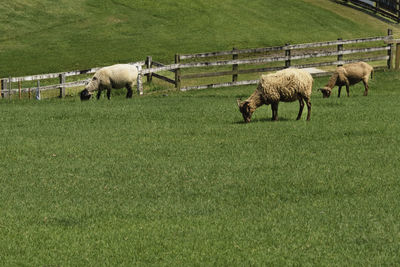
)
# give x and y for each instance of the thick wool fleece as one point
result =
(287, 85)
(115, 76)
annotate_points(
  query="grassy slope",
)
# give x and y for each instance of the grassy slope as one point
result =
(74, 34)
(180, 180)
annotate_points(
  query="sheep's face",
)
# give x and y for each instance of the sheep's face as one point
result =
(326, 92)
(85, 95)
(244, 108)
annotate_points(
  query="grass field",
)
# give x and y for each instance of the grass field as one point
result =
(178, 179)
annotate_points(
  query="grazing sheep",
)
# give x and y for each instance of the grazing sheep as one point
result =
(115, 76)
(347, 75)
(287, 85)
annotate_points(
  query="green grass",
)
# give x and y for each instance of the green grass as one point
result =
(180, 180)
(41, 36)
(176, 178)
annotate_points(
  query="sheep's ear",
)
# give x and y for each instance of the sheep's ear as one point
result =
(239, 102)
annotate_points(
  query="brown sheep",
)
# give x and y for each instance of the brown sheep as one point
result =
(346, 75)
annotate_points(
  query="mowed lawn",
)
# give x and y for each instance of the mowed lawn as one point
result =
(178, 179)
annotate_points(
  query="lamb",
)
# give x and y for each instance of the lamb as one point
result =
(348, 74)
(287, 85)
(115, 76)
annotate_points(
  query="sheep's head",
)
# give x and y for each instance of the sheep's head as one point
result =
(245, 109)
(93, 85)
(85, 95)
(326, 92)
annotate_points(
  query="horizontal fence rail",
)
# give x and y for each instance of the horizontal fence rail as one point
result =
(282, 48)
(259, 60)
(311, 65)
(56, 75)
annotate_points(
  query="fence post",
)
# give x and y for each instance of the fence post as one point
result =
(38, 90)
(139, 80)
(62, 87)
(19, 89)
(339, 49)
(234, 67)
(397, 62)
(390, 48)
(287, 55)
(149, 63)
(177, 73)
(9, 88)
(4, 91)
(1, 88)
(398, 10)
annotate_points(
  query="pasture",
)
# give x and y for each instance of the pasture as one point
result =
(178, 179)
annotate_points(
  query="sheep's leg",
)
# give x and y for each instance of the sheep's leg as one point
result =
(308, 103)
(108, 93)
(347, 89)
(301, 102)
(130, 92)
(99, 93)
(366, 87)
(274, 108)
(339, 90)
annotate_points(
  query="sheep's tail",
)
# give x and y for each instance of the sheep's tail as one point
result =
(372, 73)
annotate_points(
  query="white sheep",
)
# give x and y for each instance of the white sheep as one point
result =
(115, 76)
(346, 75)
(287, 85)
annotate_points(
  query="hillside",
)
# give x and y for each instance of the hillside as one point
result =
(38, 36)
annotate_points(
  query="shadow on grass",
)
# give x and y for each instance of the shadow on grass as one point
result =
(263, 120)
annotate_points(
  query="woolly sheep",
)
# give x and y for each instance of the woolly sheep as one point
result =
(347, 75)
(287, 85)
(115, 76)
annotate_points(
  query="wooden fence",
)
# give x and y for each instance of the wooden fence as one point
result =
(387, 8)
(6, 84)
(239, 61)
(292, 54)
